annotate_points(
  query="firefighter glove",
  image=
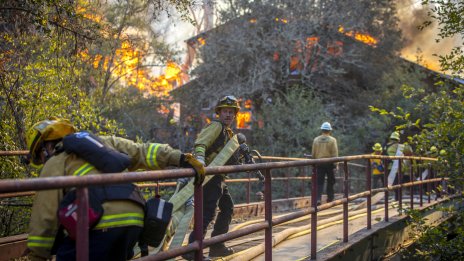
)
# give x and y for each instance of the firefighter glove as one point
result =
(190, 161)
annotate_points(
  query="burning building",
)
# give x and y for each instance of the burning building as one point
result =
(340, 65)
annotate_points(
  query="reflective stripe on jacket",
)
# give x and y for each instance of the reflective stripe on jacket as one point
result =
(213, 135)
(44, 224)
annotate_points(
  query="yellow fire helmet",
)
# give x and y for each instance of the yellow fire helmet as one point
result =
(47, 130)
(377, 147)
(395, 135)
(228, 101)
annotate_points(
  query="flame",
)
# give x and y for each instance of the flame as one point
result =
(247, 104)
(162, 109)
(430, 63)
(201, 40)
(171, 79)
(89, 14)
(243, 120)
(127, 63)
(365, 38)
(282, 20)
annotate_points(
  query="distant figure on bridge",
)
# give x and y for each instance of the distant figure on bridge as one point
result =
(407, 165)
(208, 145)
(378, 170)
(395, 148)
(325, 146)
(54, 143)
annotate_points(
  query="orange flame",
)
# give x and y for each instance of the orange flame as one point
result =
(365, 38)
(171, 79)
(282, 20)
(243, 120)
(201, 40)
(127, 63)
(89, 14)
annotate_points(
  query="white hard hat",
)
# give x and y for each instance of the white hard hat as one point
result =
(326, 126)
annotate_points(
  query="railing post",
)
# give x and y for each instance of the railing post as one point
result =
(198, 220)
(248, 189)
(82, 236)
(268, 215)
(287, 193)
(385, 182)
(429, 185)
(400, 182)
(421, 193)
(368, 198)
(157, 188)
(314, 214)
(345, 205)
(303, 183)
(411, 188)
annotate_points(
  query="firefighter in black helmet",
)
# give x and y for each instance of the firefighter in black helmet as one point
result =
(207, 146)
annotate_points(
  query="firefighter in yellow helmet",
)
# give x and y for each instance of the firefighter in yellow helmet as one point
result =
(208, 144)
(378, 170)
(118, 230)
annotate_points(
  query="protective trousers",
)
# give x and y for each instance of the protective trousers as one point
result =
(216, 194)
(322, 171)
(112, 244)
(379, 178)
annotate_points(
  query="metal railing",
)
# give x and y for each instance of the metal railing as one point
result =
(81, 183)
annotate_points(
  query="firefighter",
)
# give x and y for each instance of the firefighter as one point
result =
(407, 164)
(208, 144)
(377, 167)
(325, 146)
(391, 147)
(395, 148)
(118, 230)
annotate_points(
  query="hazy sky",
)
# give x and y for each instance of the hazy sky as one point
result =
(412, 14)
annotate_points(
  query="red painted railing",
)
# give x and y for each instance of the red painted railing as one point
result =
(81, 184)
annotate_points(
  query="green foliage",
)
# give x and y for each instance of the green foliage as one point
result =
(291, 122)
(47, 69)
(438, 116)
(450, 17)
(443, 242)
(135, 113)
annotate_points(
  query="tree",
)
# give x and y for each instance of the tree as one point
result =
(262, 48)
(263, 44)
(298, 108)
(449, 16)
(44, 72)
(439, 117)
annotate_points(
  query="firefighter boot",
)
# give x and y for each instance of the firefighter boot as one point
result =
(220, 250)
(190, 256)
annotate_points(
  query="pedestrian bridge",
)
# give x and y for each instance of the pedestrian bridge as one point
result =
(363, 223)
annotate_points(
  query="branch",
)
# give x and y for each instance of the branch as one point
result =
(55, 23)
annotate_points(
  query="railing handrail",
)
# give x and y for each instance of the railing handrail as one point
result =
(44, 183)
(82, 182)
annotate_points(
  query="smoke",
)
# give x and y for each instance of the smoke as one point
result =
(421, 45)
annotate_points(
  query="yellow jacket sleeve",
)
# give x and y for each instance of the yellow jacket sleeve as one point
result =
(145, 155)
(206, 138)
(43, 225)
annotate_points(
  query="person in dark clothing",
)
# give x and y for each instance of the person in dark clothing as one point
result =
(207, 146)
